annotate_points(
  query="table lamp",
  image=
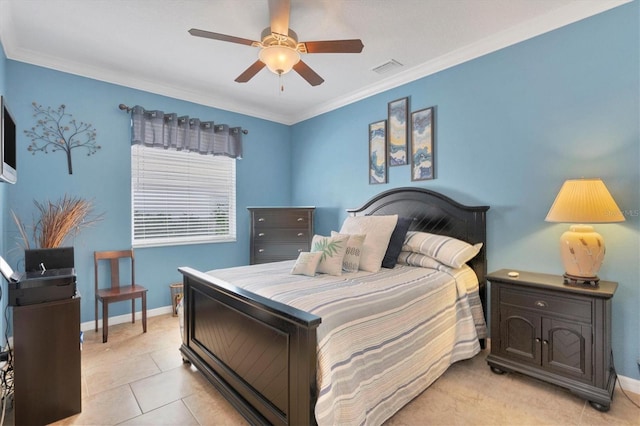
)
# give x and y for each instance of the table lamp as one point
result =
(583, 201)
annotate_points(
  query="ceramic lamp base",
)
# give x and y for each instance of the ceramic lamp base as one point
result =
(582, 252)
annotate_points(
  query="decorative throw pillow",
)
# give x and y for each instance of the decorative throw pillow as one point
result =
(396, 242)
(378, 230)
(351, 261)
(450, 251)
(333, 250)
(306, 264)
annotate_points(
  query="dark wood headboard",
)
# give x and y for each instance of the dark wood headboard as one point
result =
(435, 213)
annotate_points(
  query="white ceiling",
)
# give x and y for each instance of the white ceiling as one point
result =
(144, 44)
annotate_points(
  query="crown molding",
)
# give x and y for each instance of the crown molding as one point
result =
(569, 14)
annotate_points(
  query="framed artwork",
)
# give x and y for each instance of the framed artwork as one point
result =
(378, 152)
(422, 156)
(398, 131)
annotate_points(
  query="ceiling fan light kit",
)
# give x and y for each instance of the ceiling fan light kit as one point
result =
(279, 59)
(279, 47)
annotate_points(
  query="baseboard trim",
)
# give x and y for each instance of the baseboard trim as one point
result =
(121, 319)
(629, 384)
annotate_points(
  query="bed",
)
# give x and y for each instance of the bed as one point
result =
(265, 356)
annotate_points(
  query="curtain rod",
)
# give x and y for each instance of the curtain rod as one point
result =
(123, 107)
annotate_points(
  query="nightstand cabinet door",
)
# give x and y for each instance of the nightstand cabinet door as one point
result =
(520, 335)
(280, 233)
(567, 348)
(554, 332)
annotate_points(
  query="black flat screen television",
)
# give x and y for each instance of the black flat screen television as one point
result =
(8, 165)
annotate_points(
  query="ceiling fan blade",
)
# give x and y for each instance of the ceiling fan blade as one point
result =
(334, 46)
(308, 74)
(223, 37)
(279, 15)
(250, 72)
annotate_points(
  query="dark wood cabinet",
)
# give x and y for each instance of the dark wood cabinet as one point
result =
(280, 233)
(554, 332)
(46, 339)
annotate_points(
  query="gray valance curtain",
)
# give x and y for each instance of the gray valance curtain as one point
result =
(168, 131)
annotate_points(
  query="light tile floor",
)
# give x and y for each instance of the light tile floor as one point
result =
(140, 379)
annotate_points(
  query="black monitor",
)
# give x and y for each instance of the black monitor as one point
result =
(8, 164)
(49, 258)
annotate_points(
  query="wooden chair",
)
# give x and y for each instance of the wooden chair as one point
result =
(118, 291)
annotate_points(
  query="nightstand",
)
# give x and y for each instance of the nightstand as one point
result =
(554, 332)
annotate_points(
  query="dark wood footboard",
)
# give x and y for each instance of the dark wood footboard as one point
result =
(260, 354)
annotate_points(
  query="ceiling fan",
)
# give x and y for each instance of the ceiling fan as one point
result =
(279, 47)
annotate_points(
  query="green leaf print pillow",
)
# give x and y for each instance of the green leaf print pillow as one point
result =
(333, 250)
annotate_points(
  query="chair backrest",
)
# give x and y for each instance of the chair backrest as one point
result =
(114, 258)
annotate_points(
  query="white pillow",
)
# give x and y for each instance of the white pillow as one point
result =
(306, 264)
(333, 250)
(448, 250)
(378, 230)
(351, 261)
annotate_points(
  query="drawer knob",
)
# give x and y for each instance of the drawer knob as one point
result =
(261, 219)
(300, 250)
(538, 340)
(260, 250)
(261, 234)
(301, 219)
(300, 234)
(545, 342)
(541, 304)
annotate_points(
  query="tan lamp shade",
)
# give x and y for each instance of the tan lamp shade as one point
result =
(583, 201)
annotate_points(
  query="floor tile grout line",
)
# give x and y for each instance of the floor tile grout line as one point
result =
(137, 403)
(189, 409)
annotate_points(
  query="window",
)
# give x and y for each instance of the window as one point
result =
(180, 197)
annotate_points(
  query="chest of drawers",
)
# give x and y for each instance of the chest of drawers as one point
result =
(280, 233)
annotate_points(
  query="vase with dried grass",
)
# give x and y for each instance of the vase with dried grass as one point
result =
(56, 221)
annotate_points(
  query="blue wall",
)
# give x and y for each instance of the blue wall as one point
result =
(263, 176)
(510, 128)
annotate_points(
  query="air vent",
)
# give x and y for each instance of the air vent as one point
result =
(388, 66)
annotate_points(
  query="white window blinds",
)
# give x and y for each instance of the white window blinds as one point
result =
(181, 197)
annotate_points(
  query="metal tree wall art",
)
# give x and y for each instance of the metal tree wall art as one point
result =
(57, 130)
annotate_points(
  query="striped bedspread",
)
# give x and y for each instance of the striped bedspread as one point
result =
(384, 337)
